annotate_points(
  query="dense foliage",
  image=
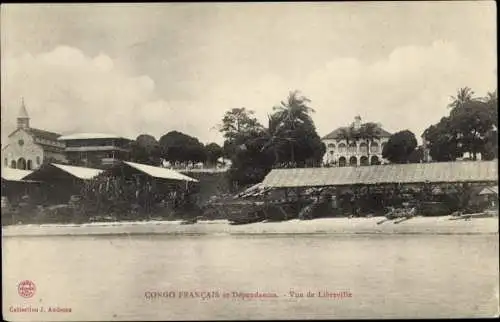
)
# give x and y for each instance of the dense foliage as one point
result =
(290, 139)
(145, 149)
(470, 128)
(400, 147)
(180, 147)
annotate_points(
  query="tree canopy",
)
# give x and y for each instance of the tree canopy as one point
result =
(237, 122)
(400, 147)
(180, 147)
(289, 139)
(145, 149)
(471, 127)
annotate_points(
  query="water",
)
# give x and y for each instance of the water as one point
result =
(390, 276)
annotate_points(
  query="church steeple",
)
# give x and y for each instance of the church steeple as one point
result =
(23, 120)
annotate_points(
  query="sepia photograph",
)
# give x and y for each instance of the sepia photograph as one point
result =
(249, 161)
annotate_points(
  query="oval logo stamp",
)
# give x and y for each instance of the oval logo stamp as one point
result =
(26, 288)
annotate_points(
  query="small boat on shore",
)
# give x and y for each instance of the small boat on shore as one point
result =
(484, 214)
(398, 215)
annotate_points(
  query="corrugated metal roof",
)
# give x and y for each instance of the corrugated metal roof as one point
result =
(157, 172)
(47, 135)
(79, 172)
(10, 174)
(472, 171)
(86, 136)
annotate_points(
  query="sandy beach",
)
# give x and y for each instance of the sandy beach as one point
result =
(417, 225)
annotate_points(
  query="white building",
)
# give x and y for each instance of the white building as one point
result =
(341, 153)
(27, 147)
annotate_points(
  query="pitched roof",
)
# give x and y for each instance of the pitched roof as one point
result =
(335, 133)
(23, 113)
(11, 174)
(50, 171)
(85, 136)
(52, 136)
(439, 172)
(79, 172)
(157, 172)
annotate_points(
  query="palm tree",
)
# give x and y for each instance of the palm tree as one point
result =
(464, 95)
(369, 132)
(275, 135)
(291, 113)
(492, 96)
(295, 109)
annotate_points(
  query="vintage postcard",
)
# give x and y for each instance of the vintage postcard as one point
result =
(249, 161)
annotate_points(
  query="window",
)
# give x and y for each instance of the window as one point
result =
(352, 147)
(375, 160)
(363, 148)
(13, 164)
(342, 148)
(29, 165)
(21, 164)
(342, 162)
(38, 161)
(374, 147)
(20, 142)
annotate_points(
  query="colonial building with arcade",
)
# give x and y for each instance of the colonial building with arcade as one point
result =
(360, 152)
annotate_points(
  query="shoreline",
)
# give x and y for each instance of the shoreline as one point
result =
(321, 226)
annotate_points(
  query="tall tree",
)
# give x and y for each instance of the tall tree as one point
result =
(442, 140)
(145, 149)
(471, 127)
(473, 121)
(291, 125)
(491, 101)
(294, 110)
(400, 146)
(237, 122)
(275, 137)
(177, 146)
(464, 95)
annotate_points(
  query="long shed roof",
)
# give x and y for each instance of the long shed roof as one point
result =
(51, 170)
(11, 174)
(158, 172)
(439, 172)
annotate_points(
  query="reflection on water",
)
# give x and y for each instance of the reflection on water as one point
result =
(106, 277)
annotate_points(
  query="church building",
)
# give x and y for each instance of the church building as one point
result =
(28, 147)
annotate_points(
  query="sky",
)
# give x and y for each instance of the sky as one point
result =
(133, 69)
